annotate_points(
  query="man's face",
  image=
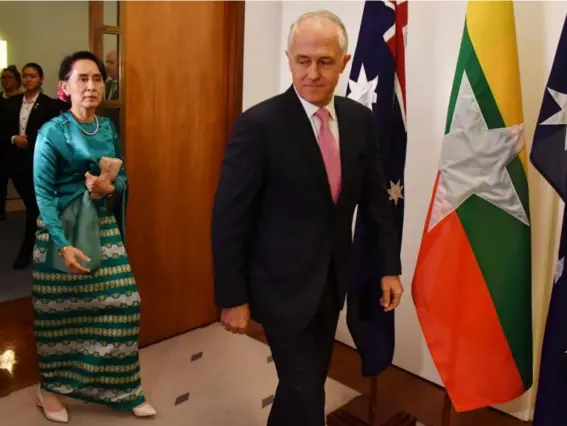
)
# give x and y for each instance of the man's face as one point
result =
(112, 65)
(316, 60)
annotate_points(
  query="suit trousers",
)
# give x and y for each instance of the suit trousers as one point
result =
(4, 179)
(302, 358)
(23, 182)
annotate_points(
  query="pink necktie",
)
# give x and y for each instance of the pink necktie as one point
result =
(330, 153)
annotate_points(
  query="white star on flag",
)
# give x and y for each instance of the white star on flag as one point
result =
(363, 91)
(474, 160)
(395, 192)
(560, 117)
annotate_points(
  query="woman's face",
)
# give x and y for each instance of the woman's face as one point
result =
(85, 85)
(9, 82)
(31, 79)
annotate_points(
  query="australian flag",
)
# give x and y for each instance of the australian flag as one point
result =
(378, 81)
(549, 157)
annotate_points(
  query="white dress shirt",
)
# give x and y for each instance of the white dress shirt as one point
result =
(311, 109)
(25, 112)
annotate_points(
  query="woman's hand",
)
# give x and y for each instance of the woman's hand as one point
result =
(72, 256)
(99, 185)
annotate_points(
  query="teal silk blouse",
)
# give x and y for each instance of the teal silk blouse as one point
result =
(63, 154)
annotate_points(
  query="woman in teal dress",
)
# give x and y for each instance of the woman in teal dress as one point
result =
(86, 321)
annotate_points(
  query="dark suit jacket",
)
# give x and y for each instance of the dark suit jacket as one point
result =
(113, 113)
(44, 109)
(3, 146)
(63, 106)
(115, 94)
(275, 229)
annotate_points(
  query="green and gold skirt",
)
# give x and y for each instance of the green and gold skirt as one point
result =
(87, 326)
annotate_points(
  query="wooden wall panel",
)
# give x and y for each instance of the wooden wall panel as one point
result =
(182, 74)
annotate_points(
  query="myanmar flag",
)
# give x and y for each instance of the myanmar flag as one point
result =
(472, 283)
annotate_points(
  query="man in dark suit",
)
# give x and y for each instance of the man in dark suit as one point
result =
(295, 168)
(21, 117)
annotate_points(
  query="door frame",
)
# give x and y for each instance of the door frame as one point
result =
(234, 21)
(97, 31)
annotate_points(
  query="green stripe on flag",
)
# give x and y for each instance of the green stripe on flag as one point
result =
(520, 181)
(468, 62)
(500, 242)
(497, 239)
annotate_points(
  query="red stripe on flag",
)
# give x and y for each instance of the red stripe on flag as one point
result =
(459, 320)
(397, 45)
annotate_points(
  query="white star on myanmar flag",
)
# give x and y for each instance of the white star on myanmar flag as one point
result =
(363, 91)
(473, 161)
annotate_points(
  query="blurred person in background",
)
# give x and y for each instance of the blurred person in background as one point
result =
(11, 81)
(21, 117)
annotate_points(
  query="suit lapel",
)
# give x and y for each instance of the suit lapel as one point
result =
(34, 113)
(347, 137)
(304, 134)
(347, 142)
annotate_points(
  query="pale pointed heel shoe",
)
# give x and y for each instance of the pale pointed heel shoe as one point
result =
(144, 410)
(61, 416)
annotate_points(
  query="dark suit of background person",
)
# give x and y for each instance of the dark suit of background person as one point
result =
(20, 161)
(62, 105)
(280, 243)
(3, 169)
(112, 93)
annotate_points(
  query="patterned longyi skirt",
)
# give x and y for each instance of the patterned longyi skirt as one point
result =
(87, 326)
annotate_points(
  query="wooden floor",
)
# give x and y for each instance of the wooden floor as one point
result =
(16, 334)
(404, 390)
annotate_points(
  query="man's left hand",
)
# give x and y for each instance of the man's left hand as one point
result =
(392, 291)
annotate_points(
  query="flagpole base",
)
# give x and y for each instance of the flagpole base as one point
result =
(356, 413)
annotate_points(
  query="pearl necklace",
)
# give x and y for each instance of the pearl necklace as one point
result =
(93, 132)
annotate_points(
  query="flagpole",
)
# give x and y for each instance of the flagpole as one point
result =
(368, 410)
(549, 279)
(372, 399)
(447, 409)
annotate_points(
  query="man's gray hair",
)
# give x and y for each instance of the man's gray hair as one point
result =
(323, 14)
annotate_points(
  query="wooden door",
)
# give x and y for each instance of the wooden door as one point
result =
(181, 89)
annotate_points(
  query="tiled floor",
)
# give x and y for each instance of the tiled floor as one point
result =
(208, 377)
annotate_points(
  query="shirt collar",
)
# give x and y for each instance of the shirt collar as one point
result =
(311, 109)
(32, 101)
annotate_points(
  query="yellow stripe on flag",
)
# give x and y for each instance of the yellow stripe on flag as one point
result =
(492, 32)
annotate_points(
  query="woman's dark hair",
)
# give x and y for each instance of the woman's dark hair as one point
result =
(35, 66)
(68, 61)
(14, 70)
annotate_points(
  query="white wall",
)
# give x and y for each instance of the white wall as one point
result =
(261, 75)
(44, 32)
(434, 34)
